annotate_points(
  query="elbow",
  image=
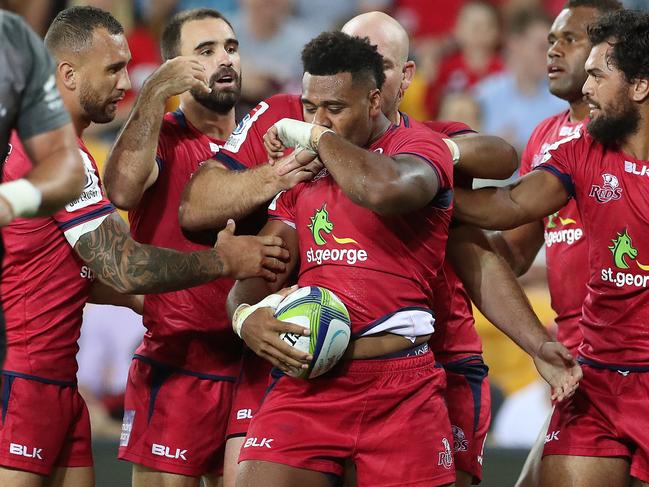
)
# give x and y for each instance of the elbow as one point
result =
(124, 200)
(512, 156)
(191, 219)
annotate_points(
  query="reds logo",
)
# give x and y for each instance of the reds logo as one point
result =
(609, 191)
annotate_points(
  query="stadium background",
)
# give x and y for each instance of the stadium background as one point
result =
(479, 62)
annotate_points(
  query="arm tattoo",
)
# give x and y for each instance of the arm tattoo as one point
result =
(131, 267)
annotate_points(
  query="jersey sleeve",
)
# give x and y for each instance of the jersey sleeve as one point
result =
(89, 210)
(282, 207)
(559, 159)
(430, 147)
(449, 128)
(41, 107)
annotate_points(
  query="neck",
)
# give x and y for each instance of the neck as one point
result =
(637, 144)
(382, 124)
(579, 110)
(208, 122)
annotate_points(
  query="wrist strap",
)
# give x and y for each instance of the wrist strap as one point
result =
(23, 197)
(244, 310)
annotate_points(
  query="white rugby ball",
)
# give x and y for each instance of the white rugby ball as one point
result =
(326, 316)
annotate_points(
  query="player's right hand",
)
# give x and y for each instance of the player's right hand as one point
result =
(559, 368)
(261, 333)
(297, 167)
(247, 256)
(178, 75)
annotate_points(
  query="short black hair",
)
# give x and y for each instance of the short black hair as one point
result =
(73, 27)
(603, 6)
(336, 52)
(627, 31)
(170, 43)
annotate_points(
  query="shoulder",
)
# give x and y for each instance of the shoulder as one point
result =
(449, 128)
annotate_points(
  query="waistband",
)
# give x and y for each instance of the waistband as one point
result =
(408, 352)
(613, 367)
(378, 365)
(178, 370)
(43, 380)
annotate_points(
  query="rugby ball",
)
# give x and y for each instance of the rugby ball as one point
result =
(326, 316)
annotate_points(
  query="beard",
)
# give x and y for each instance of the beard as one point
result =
(96, 109)
(612, 127)
(219, 100)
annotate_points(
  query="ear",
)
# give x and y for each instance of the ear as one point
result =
(67, 75)
(409, 69)
(640, 90)
(375, 102)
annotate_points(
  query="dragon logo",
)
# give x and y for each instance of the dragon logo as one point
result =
(321, 226)
(622, 248)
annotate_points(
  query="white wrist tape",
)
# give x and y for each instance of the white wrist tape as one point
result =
(455, 150)
(294, 133)
(244, 310)
(22, 196)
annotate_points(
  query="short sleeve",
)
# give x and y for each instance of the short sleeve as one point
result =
(41, 107)
(89, 210)
(429, 146)
(559, 160)
(282, 207)
(449, 128)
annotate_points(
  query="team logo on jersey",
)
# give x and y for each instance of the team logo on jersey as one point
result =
(445, 458)
(624, 256)
(322, 228)
(460, 443)
(556, 233)
(609, 191)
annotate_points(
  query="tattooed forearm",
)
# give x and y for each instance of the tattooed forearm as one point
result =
(130, 267)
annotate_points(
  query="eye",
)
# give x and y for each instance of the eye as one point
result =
(231, 50)
(207, 52)
(309, 109)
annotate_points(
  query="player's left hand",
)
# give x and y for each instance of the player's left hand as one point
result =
(559, 368)
(297, 167)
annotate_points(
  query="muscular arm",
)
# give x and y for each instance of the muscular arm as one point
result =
(130, 267)
(519, 246)
(131, 167)
(485, 156)
(531, 198)
(494, 289)
(57, 168)
(215, 194)
(385, 185)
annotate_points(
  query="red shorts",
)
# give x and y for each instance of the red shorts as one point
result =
(175, 420)
(249, 391)
(468, 399)
(45, 425)
(607, 417)
(387, 415)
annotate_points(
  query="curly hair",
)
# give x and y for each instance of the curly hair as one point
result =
(603, 6)
(336, 52)
(627, 31)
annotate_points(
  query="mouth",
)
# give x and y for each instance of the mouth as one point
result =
(225, 80)
(554, 71)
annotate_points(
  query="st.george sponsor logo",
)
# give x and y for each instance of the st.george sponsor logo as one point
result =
(321, 228)
(24, 451)
(258, 442)
(624, 253)
(609, 191)
(167, 452)
(555, 234)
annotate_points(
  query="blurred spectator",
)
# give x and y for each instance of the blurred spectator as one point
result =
(516, 100)
(323, 15)
(271, 41)
(109, 336)
(37, 13)
(427, 18)
(227, 7)
(461, 107)
(477, 34)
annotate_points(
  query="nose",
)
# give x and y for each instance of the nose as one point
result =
(321, 117)
(225, 58)
(124, 82)
(554, 51)
(587, 89)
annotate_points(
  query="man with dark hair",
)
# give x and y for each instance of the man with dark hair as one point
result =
(563, 232)
(189, 349)
(402, 177)
(51, 264)
(599, 437)
(30, 104)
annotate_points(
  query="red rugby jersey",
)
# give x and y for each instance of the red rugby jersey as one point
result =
(612, 192)
(45, 284)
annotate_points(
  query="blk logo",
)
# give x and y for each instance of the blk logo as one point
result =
(23, 451)
(258, 442)
(244, 414)
(165, 451)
